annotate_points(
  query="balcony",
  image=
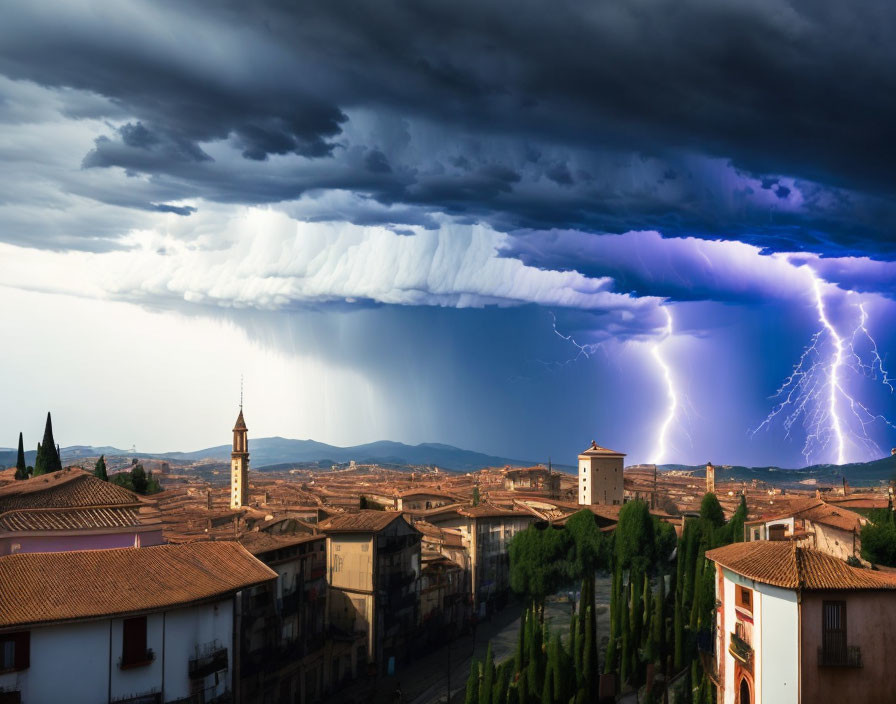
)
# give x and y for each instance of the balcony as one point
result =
(839, 655)
(131, 661)
(740, 648)
(151, 697)
(213, 659)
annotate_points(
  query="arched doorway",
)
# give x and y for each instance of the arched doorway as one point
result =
(744, 697)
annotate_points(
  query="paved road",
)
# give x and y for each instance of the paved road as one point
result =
(425, 681)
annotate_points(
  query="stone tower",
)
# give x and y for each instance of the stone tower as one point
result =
(600, 476)
(710, 478)
(239, 464)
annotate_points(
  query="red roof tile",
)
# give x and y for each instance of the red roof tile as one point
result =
(782, 564)
(64, 489)
(62, 586)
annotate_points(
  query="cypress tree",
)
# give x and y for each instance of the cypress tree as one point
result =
(47, 452)
(472, 694)
(678, 633)
(21, 469)
(658, 622)
(577, 650)
(589, 655)
(547, 691)
(502, 683)
(39, 462)
(637, 622)
(99, 471)
(488, 677)
(520, 654)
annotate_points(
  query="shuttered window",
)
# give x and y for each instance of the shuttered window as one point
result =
(133, 648)
(15, 651)
(833, 631)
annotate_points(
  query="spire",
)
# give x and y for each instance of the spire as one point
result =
(240, 422)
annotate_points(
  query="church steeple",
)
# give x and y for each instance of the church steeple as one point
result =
(239, 462)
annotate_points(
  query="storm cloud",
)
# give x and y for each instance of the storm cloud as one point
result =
(770, 125)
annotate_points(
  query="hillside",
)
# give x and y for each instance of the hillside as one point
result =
(856, 473)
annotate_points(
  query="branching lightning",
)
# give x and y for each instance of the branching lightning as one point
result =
(660, 449)
(816, 393)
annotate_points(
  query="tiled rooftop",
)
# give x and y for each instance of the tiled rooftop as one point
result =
(782, 564)
(73, 518)
(63, 489)
(260, 542)
(60, 586)
(365, 521)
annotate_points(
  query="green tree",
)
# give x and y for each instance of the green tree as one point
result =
(589, 654)
(634, 537)
(138, 479)
(539, 559)
(99, 471)
(475, 495)
(879, 538)
(488, 677)
(736, 524)
(21, 468)
(47, 454)
(472, 693)
(711, 510)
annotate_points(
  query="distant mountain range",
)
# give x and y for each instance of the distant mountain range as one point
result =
(277, 451)
(856, 473)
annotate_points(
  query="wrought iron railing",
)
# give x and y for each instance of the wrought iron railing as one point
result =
(839, 655)
(212, 658)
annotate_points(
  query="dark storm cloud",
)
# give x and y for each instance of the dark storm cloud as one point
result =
(594, 116)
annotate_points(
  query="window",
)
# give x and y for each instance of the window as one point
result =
(133, 643)
(743, 597)
(15, 651)
(833, 631)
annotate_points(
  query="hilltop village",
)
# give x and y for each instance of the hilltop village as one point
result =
(309, 585)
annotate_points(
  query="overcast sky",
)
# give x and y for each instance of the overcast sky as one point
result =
(466, 222)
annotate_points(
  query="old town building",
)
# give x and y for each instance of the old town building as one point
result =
(151, 625)
(798, 625)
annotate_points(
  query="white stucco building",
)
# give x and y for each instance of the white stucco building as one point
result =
(798, 625)
(148, 625)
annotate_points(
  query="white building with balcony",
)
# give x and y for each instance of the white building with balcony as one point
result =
(149, 625)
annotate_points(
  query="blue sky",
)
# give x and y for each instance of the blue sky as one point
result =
(452, 223)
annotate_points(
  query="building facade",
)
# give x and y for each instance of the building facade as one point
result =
(373, 571)
(813, 523)
(797, 625)
(600, 476)
(154, 625)
(283, 624)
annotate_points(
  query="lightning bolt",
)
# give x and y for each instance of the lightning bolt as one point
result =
(660, 449)
(816, 392)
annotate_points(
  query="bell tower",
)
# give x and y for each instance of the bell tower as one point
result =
(239, 462)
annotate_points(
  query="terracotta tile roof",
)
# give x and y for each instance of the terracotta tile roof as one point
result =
(260, 543)
(491, 511)
(62, 586)
(64, 489)
(817, 511)
(366, 521)
(595, 449)
(72, 518)
(782, 564)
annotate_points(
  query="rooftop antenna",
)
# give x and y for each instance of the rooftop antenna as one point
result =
(241, 392)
